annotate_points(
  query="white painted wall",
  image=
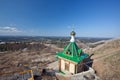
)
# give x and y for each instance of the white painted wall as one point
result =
(72, 68)
(62, 65)
(72, 39)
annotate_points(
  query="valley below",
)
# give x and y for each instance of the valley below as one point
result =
(37, 53)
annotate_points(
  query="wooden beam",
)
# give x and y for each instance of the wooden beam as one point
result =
(59, 64)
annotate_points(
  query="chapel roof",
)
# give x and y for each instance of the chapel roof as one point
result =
(72, 52)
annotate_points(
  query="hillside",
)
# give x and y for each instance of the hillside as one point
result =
(33, 58)
(107, 60)
(38, 54)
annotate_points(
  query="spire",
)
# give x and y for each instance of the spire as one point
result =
(72, 36)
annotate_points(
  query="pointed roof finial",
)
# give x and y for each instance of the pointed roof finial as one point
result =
(72, 35)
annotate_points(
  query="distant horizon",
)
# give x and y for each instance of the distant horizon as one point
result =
(89, 18)
(52, 36)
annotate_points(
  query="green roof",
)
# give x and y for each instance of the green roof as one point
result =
(73, 53)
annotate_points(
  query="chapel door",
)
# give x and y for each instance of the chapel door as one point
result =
(67, 66)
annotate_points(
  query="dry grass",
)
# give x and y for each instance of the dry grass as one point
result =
(108, 63)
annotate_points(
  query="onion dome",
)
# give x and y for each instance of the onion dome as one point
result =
(72, 33)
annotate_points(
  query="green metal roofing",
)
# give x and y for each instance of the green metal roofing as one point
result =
(73, 53)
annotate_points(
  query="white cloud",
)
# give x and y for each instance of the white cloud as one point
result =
(8, 29)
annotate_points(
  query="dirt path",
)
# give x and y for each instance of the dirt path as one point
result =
(103, 56)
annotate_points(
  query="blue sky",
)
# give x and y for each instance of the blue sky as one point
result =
(91, 18)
